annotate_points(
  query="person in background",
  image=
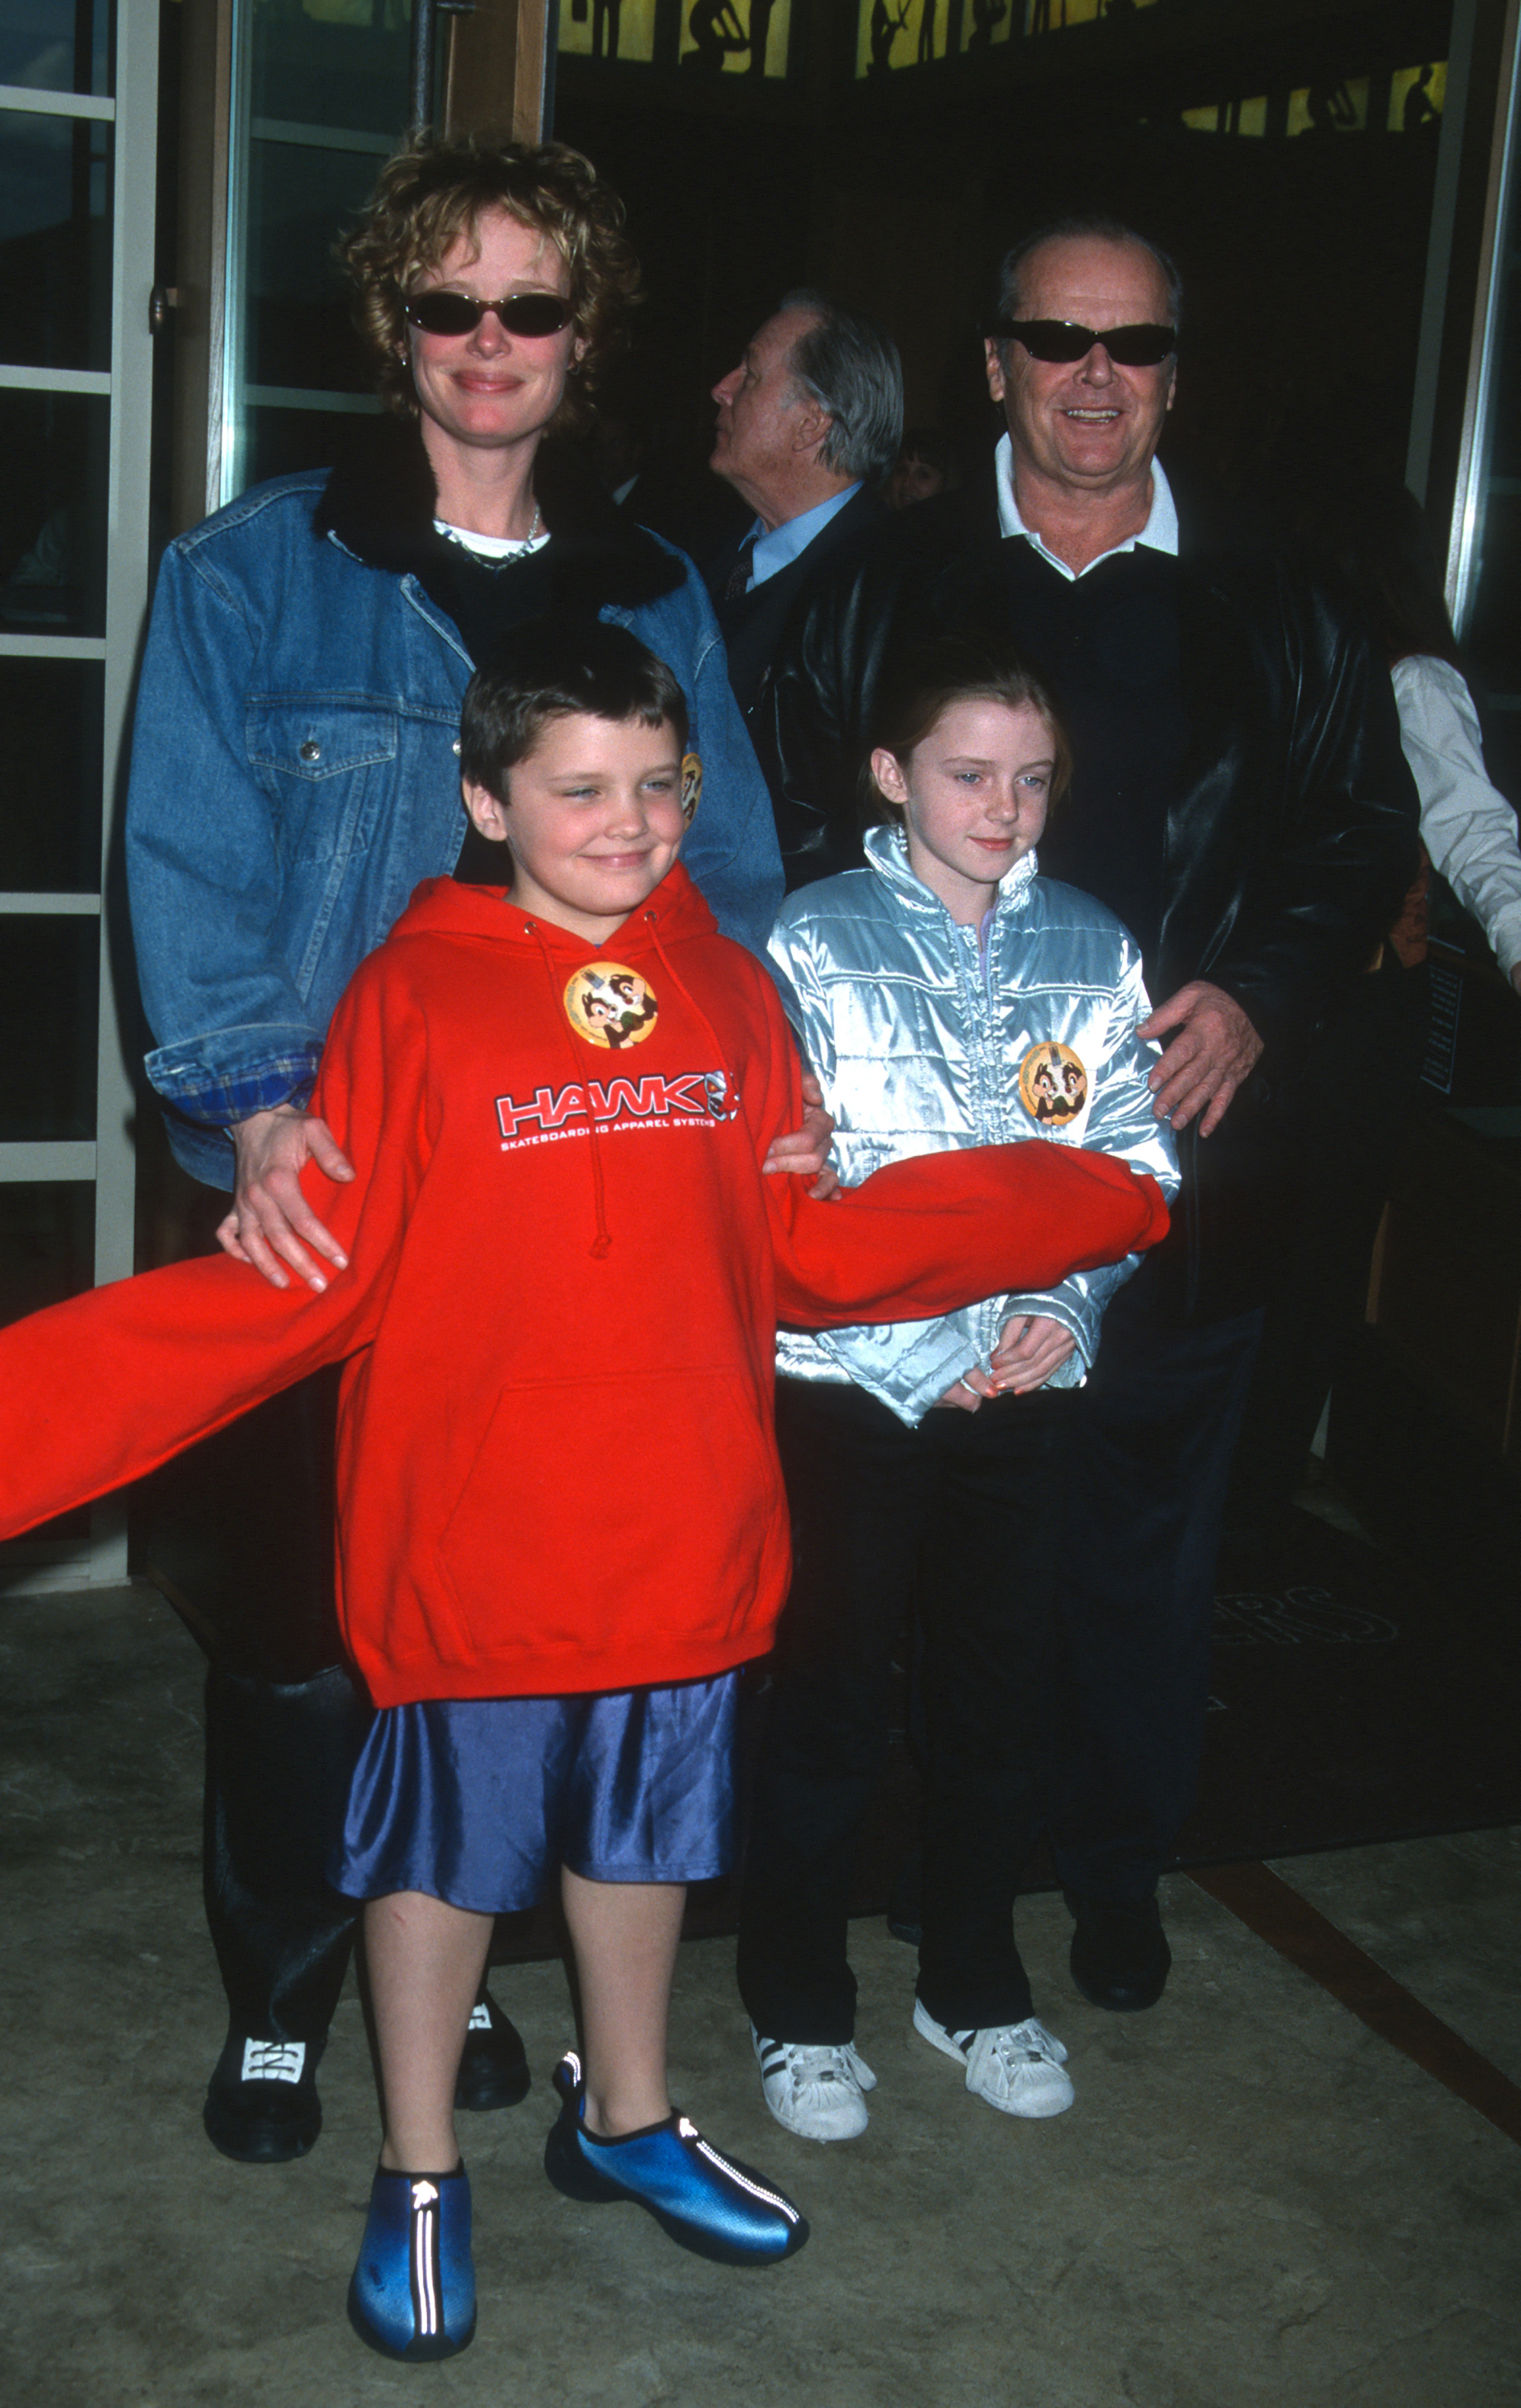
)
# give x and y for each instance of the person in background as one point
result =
(928, 465)
(295, 775)
(808, 425)
(1374, 535)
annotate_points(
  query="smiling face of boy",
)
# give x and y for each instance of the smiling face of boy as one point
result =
(593, 820)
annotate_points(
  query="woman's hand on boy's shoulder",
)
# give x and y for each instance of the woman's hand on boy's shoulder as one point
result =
(805, 1152)
(270, 1216)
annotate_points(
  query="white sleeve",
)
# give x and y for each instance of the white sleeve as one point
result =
(1469, 830)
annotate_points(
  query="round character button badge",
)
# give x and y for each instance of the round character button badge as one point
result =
(1053, 1084)
(610, 1005)
(691, 785)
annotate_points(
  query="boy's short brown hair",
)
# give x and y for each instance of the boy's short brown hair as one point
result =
(559, 668)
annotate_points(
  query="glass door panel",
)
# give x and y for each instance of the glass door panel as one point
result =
(320, 99)
(55, 229)
(55, 448)
(59, 46)
(49, 991)
(78, 128)
(53, 742)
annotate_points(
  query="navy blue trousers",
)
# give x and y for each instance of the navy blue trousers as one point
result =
(962, 1518)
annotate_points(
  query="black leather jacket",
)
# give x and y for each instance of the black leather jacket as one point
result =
(1290, 838)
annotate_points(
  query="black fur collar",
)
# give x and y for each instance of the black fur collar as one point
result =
(379, 502)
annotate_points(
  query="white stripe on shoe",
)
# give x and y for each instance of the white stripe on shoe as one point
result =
(815, 2090)
(689, 2131)
(1017, 2068)
(425, 2259)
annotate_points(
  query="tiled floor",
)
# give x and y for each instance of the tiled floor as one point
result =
(1255, 2199)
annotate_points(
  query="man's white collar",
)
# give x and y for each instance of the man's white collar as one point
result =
(1159, 534)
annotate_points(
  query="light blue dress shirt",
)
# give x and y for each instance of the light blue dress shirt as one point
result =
(784, 544)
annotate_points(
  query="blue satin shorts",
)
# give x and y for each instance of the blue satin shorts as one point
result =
(476, 1801)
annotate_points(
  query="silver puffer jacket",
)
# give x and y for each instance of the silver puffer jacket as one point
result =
(922, 1039)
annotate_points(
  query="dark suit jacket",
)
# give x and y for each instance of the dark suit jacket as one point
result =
(755, 629)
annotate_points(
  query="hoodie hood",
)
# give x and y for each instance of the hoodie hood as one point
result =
(674, 912)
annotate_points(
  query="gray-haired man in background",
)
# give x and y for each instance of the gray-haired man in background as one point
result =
(809, 424)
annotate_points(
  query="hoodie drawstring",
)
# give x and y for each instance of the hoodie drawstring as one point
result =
(602, 1243)
(652, 921)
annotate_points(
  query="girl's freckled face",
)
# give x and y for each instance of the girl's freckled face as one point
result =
(974, 794)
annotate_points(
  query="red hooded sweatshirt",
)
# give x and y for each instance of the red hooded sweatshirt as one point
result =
(557, 1469)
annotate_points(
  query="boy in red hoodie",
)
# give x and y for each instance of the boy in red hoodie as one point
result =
(561, 1519)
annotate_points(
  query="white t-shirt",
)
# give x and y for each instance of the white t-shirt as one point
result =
(1469, 830)
(492, 547)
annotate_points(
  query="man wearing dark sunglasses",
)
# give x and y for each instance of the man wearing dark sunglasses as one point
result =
(1239, 799)
(1085, 409)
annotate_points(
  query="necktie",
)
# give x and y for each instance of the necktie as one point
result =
(739, 576)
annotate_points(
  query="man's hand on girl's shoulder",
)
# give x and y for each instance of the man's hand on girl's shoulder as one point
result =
(1213, 1048)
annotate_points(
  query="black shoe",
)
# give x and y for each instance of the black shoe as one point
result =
(1120, 1955)
(262, 2106)
(493, 2070)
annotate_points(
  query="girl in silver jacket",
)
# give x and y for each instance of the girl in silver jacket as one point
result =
(944, 996)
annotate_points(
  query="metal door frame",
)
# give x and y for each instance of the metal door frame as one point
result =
(1467, 530)
(107, 1162)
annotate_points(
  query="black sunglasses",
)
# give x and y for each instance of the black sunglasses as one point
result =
(460, 314)
(1056, 339)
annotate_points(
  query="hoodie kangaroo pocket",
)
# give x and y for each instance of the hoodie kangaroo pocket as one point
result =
(617, 1529)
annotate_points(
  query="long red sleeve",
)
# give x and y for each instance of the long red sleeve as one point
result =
(105, 1388)
(925, 1236)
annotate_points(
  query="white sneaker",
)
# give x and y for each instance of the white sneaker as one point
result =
(814, 2091)
(1017, 2068)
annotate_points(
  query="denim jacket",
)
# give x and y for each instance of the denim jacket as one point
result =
(295, 775)
(925, 1034)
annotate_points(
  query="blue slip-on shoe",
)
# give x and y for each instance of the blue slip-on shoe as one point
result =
(708, 2203)
(413, 2294)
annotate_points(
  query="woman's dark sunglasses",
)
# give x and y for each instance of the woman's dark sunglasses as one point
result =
(460, 314)
(1057, 340)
